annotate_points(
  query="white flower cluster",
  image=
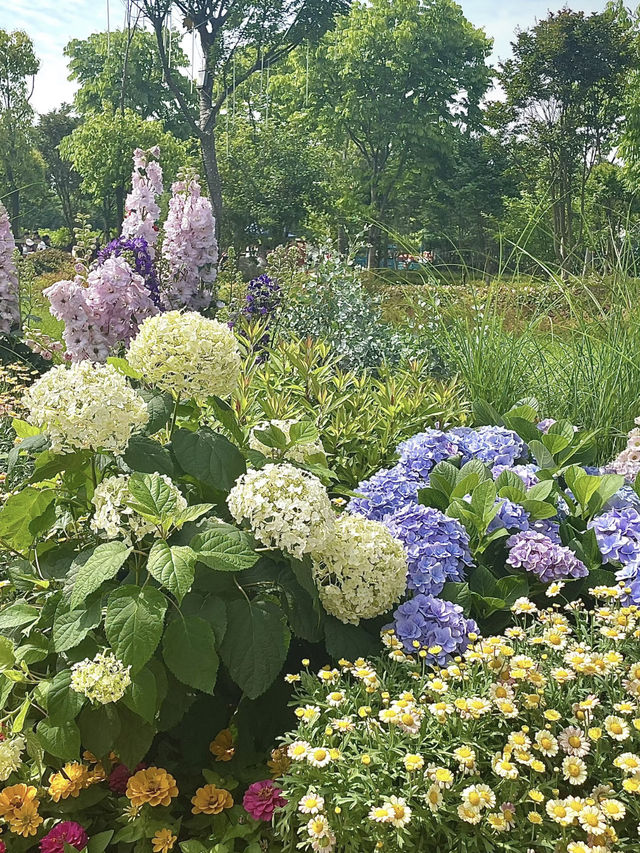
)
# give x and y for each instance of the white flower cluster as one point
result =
(114, 519)
(286, 508)
(298, 453)
(627, 463)
(186, 354)
(10, 756)
(9, 300)
(102, 680)
(362, 571)
(86, 406)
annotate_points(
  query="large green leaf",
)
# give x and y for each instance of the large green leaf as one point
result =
(135, 738)
(209, 457)
(25, 516)
(147, 456)
(94, 566)
(189, 650)
(142, 695)
(349, 641)
(223, 547)
(160, 406)
(173, 566)
(134, 623)
(63, 703)
(70, 627)
(255, 644)
(99, 728)
(152, 498)
(17, 614)
(62, 741)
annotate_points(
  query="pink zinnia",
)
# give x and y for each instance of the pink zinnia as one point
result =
(262, 799)
(3, 847)
(66, 832)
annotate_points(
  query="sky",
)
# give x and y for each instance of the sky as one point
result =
(52, 23)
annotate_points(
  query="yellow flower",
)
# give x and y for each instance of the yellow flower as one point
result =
(15, 797)
(592, 820)
(552, 715)
(26, 820)
(163, 841)
(469, 814)
(211, 800)
(153, 785)
(558, 811)
(366, 760)
(222, 746)
(613, 809)
(433, 797)
(536, 796)
(279, 762)
(68, 782)
(534, 817)
(413, 762)
(595, 733)
(616, 727)
(574, 770)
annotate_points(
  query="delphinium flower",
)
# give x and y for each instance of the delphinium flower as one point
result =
(297, 453)
(536, 553)
(264, 297)
(9, 293)
(65, 833)
(262, 799)
(102, 680)
(113, 519)
(142, 210)
(105, 309)
(627, 462)
(437, 547)
(86, 406)
(186, 354)
(285, 507)
(510, 516)
(11, 750)
(189, 249)
(385, 492)
(137, 253)
(422, 452)
(492, 445)
(361, 571)
(438, 626)
(618, 534)
(527, 473)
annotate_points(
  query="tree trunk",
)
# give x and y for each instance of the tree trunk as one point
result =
(212, 174)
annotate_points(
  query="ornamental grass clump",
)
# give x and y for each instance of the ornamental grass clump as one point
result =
(529, 740)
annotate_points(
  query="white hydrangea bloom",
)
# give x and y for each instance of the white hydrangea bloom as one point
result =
(10, 756)
(297, 453)
(102, 680)
(114, 519)
(186, 354)
(362, 570)
(86, 407)
(286, 508)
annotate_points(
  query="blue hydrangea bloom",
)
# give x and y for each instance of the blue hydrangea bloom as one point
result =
(492, 445)
(548, 527)
(618, 534)
(535, 553)
(384, 493)
(527, 473)
(423, 451)
(432, 622)
(437, 547)
(624, 497)
(511, 516)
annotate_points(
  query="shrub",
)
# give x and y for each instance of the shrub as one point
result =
(526, 740)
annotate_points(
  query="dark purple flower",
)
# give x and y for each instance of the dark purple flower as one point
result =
(136, 252)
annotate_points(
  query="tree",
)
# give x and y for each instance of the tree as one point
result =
(100, 150)
(564, 89)
(237, 38)
(394, 83)
(18, 163)
(52, 128)
(123, 68)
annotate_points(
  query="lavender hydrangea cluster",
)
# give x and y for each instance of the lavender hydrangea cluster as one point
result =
(136, 252)
(537, 554)
(264, 297)
(510, 516)
(384, 493)
(527, 473)
(432, 624)
(9, 300)
(492, 445)
(423, 451)
(437, 547)
(618, 534)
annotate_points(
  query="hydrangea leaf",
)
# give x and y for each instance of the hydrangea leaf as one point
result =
(224, 547)
(99, 728)
(141, 696)
(147, 456)
(134, 622)
(173, 566)
(94, 566)
(62, 741)
(189, 650)
(209, 457)
(63, 703)
(153, 499)
(25, 516)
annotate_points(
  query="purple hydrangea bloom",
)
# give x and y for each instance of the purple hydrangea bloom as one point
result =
(511, 516)
(384, 493)
(618, 534)
(437, 546)
(527, 473)
(432, 622)
(536, 553)
(423, 451)
(137, 254)
(545, 424)
(492, 445)
(626, 496)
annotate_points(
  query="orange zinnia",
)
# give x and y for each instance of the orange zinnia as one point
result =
(15, 797)
(211, 800)
(69, 781)
(222, 746)
(153, 785)
(26, 820)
